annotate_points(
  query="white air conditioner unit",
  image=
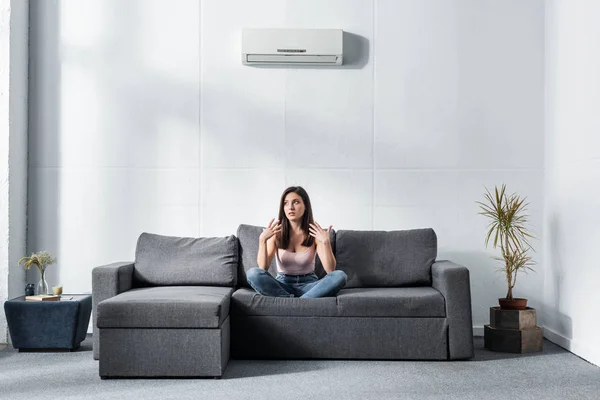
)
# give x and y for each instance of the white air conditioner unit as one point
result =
(292, 46)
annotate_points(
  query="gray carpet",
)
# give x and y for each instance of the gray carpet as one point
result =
(553, 374)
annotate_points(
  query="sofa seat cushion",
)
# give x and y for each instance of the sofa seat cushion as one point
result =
(247, 302)
(391, 302)
(166, 307)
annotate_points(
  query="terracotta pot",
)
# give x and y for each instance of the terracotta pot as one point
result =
(514, 304)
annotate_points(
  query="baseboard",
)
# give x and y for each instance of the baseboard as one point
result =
(557, 338)
(573, 346)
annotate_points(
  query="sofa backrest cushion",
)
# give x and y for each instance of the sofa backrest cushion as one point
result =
(172, 261)
(386, 259)
(248, 239)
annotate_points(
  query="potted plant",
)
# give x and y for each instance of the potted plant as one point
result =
(508, 227)
(41, 260)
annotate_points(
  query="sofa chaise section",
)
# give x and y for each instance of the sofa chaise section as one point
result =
(165, 331)
(167, 315)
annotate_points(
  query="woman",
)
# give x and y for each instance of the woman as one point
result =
(295, 240)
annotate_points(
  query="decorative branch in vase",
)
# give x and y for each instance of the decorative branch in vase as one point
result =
(41, 260)
(509, 227)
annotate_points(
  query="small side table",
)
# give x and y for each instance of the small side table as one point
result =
(48, 325)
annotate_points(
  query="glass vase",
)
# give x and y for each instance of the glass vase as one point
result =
(42, 286)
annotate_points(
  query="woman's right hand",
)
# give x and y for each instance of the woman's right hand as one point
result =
(274, 228)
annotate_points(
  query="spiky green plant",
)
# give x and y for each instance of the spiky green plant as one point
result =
(40, 259)
(509, 227)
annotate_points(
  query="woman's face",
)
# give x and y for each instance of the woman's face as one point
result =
(293, 206)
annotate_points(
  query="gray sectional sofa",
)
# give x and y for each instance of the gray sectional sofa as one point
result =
(184, 306)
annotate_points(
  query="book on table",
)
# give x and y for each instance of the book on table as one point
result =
(42, 297)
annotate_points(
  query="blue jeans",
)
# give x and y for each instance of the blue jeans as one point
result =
(305, 286)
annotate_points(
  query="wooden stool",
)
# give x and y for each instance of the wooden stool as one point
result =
(513, 331)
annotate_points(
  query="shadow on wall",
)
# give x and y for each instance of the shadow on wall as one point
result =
(44, 140)
(131, 93)
(553, 318)
(140, 97)
(356, 55)
(356, 51)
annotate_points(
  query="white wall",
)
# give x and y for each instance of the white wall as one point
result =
(154, 124)
(14, 19)
(571, 190)
(4, 152)
(19, 59)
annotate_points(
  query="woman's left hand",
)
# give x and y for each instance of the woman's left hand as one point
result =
(318, 233)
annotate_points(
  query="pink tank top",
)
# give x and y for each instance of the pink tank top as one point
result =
(300, 263)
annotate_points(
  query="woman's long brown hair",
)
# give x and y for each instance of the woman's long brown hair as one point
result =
(283, 240)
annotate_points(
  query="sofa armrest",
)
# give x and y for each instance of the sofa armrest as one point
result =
(452, 280)
(108, 281)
